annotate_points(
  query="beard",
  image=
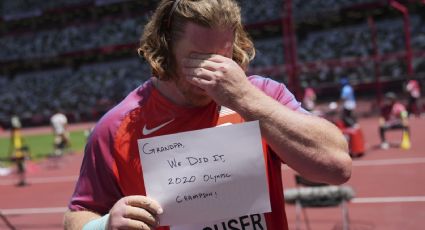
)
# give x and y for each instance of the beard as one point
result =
(193, 95)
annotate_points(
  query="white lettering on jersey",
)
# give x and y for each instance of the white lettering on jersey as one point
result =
(248, 222)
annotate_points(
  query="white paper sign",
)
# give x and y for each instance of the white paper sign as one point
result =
(206, 175)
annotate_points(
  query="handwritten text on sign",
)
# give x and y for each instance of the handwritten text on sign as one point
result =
(206, 175)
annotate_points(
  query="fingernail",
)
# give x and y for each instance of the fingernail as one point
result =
(159, 211)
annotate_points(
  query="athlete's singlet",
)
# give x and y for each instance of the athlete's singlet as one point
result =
(111, 167)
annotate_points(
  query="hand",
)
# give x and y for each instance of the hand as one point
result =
(134, 212)
(221, 77)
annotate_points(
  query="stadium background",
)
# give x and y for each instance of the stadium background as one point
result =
(80, 55)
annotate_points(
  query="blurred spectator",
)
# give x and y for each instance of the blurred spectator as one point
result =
(309, 99)
(303, 8)
(18, 151)
(81, 91)
(21, 9)
(393, 116)
(51, 43)
(28, 94)
(59, 124)
(414, 93)
(269, 52)
(255, 11)
(348, 101)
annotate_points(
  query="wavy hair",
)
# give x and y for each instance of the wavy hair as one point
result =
(167, 24)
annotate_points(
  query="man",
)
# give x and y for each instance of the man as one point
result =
(393, 116)
(59, 124)
(414, 91)
(18, 151)
(198, 52)
(348, 103)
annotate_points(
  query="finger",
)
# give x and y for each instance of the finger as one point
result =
(199, 73)
(144, 202)
(137, 225)
(200, 63)
(201, 83)
(210, 57)
(141, 215)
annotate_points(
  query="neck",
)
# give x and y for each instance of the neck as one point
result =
(169, 90)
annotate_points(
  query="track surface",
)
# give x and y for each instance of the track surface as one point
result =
(389, 186)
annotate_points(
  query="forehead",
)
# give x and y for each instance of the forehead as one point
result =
(207, 40)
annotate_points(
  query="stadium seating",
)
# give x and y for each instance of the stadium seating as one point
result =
(303, 8)
(52, 43)
(29, 92)
(83, 92)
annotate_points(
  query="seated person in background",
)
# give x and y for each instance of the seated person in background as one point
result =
(393, 116)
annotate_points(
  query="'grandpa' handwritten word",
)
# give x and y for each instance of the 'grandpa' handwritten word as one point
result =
(152, 150)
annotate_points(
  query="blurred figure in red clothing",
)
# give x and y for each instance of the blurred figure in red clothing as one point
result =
(414, 91)
(393, 116)
(309, 99)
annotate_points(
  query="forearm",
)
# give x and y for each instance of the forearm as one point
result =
(310, 145)
(76, 220)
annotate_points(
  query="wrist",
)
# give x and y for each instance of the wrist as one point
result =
(97, 224)
(253, 105)
(243, 97)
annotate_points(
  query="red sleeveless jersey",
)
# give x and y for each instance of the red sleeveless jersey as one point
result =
(111, 167)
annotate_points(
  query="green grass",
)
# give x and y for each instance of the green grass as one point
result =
(42, 145)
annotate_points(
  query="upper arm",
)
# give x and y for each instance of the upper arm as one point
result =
(97, 189)
(277, 91)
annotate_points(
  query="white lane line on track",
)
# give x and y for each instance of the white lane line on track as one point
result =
(385, 162)
(359, 200)
(27, 211)
(395, 199)
(398, 161)
(41, 180)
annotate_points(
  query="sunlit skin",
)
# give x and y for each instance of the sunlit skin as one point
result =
(205, 72)
(193, 57)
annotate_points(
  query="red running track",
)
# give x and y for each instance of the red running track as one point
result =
(389, 186)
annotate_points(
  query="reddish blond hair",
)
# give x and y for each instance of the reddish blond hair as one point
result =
(167, 25)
